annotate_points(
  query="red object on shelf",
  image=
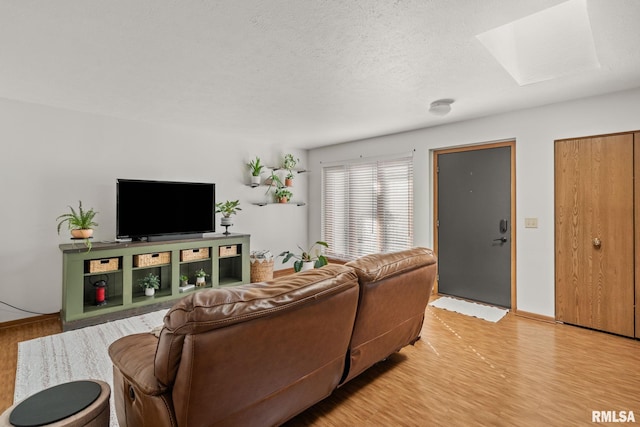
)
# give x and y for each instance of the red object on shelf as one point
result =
(101, 292)
(100, 296)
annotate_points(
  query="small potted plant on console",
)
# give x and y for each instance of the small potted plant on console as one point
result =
(201, 278)
(228, 208)
(150, 283)
(184, 280)
(80, 223)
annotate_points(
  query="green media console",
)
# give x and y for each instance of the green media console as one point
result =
(101, 284)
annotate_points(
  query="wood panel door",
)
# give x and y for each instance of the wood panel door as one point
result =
(594, 233)
(636, 162)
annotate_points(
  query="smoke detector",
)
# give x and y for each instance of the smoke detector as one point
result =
(441, 107)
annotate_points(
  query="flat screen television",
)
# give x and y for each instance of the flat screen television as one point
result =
(164, 210)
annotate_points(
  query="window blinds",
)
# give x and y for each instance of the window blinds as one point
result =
(368, 207)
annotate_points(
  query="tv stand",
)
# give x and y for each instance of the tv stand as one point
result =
(224, 258)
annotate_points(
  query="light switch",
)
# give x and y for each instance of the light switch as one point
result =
(531, 223)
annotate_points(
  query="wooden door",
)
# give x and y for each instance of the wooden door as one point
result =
(636, 162)
(594, 215)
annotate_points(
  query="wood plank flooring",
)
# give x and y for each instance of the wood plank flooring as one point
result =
(10, 336)
(464, 372)
(470, 372)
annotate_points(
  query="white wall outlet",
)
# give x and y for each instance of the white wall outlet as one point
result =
(531, 223)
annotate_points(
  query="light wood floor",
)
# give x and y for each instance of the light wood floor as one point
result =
(10, 336)
(464, 372)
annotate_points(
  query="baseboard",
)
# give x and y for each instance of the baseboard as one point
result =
(28, 320)
(117, 315)
(534, 316)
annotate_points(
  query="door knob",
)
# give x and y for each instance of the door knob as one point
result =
(597, 243)
(501, 240)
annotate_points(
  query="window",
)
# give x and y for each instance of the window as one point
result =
(368, 207)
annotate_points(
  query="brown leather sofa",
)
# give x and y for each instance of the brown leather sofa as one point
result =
(258, 354)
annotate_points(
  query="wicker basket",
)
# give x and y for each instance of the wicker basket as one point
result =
(146, 260)
(261, 270)
(226, 251)
(103, 265)
(194, 254)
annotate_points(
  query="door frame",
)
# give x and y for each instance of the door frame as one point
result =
(512, 145)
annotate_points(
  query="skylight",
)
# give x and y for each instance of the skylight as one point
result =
(552, 43)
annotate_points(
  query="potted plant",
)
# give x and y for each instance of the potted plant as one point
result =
(288, 180)
(149, 283)
(80, 223)
(184, 280)
(200, 277)
(289, 163)
(307, 259)
(283, 195)
(228, 208)
(273, 180)
(255, 167)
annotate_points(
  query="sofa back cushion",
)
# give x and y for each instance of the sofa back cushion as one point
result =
(394, 292)
(243, 354)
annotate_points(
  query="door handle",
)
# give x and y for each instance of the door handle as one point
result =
(501, 240)
(597, 243)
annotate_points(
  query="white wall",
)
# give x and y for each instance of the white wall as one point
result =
(534, 131)
(51, 158)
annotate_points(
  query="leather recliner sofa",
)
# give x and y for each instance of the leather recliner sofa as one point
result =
(261, 353)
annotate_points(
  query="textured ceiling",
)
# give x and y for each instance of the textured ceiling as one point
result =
(299, 73)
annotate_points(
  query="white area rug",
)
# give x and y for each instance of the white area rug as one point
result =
(75, 355)
(481, 311)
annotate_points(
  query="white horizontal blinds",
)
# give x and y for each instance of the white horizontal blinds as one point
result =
(362, 232)
(335, 209)
(368, 207)
(395, 205)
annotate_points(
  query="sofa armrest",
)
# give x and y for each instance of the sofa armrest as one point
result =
(133, 356)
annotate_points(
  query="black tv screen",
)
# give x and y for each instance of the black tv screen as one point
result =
(156, 209)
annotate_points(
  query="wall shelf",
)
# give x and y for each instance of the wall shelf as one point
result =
(276, 203)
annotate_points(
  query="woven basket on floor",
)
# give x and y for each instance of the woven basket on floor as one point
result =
(261, 270)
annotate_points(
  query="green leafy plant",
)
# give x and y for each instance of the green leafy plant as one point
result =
(184, 278)
(283, 192)
(312, 254)
(255, 166)
(274, 181)
(289, 162)
(201, 273)
(78, 220)
(228, 208)
(149, 281)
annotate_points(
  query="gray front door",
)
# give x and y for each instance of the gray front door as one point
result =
(474, 225)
